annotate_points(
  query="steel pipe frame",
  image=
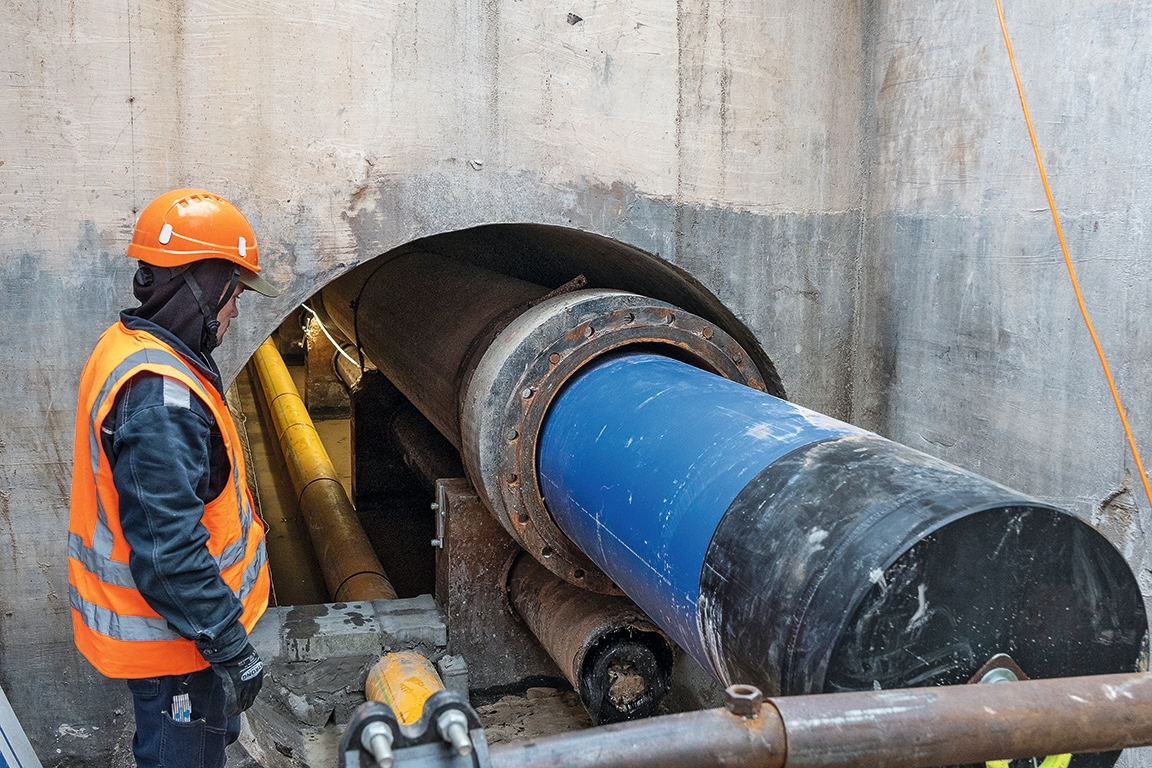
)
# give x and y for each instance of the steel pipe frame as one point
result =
(906, 728)
(350, 566)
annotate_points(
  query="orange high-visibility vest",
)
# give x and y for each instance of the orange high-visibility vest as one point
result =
(114, 626)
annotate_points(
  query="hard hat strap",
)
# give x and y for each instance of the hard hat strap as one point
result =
(209, 341)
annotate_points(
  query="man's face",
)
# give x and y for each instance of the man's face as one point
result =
(227, 312)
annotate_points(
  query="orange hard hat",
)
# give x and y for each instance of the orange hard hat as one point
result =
(188, 225)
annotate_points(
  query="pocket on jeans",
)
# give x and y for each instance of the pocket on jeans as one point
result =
(182, 744)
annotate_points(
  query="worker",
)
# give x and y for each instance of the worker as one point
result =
(166, 561)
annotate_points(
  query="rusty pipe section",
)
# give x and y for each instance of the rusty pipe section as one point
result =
(350, 566)
(423, 449)
(424, 336)
(611, 653)
(907, 728)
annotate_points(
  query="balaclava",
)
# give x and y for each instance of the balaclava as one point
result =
(185, 300)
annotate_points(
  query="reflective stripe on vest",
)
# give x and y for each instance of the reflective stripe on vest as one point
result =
(108, 622)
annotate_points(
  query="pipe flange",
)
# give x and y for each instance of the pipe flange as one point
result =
(524, 368)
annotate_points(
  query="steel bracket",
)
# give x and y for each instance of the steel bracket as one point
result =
(417, 745)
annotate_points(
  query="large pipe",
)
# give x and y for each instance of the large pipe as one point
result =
(438, 314)
(350, 566)
(792, 551)
(911, 728)
(481, 354)
(779, 547)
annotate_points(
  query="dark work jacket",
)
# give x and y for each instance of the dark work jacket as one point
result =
(161, 503)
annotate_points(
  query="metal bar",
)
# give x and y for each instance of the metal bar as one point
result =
(961, 724)
(710, 737)
(351, 569)
(909, 728)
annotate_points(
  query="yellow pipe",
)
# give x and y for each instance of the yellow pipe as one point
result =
(404, 681)
(351, 569)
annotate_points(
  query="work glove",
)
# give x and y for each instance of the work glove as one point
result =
(242, 677)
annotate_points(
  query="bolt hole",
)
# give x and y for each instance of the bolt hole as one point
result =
(522, 518)
(512, 478)
(546, 552)
(629, 318)
(670, 318)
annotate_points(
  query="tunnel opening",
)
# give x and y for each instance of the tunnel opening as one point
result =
(390, 454)
(389, 457)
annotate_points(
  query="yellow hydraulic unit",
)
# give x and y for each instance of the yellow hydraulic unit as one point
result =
(405, 681)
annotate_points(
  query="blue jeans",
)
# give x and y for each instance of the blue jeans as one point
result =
(161, 742)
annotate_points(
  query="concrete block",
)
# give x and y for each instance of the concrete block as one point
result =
(454, 673)
(312, 632)
(413, 623)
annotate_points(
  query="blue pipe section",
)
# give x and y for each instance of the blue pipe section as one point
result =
(639, 458)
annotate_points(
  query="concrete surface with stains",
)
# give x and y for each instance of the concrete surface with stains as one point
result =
(852, 179)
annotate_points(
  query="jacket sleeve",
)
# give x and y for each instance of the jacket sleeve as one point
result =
(161, 444)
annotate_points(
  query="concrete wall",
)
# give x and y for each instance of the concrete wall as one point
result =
(852, 179)
(970, 342)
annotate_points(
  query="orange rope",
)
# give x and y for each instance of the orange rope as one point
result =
(1068, 260)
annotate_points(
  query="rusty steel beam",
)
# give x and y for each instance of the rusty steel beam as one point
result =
(906, 728)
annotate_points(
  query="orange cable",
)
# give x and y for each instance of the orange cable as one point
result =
(1068, 260)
